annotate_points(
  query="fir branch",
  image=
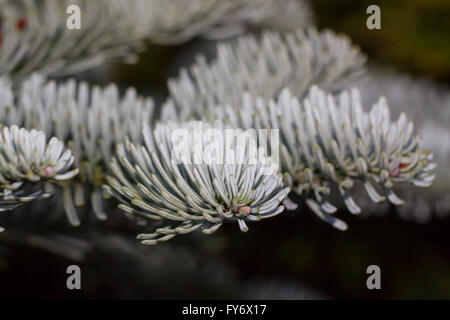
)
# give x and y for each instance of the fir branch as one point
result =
(34, 36)
(332, 142)
(26, 159)
(90, 120)
(428, 105)
(180, 21)
(188, 195)
(263, 67)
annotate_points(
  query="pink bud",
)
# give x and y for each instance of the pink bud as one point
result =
(394, 172)
(49, 171)
(244, 210)
(21, 24)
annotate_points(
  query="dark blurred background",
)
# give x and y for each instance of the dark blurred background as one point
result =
(292, 256)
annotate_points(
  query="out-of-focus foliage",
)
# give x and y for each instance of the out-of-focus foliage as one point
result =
(34, 36)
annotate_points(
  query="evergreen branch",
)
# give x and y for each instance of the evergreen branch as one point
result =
(263, 67)
(189, 194)
(26, 159)
(34, 36)
(428, 105)
(332, 142)
(181, 21)
(90, 120)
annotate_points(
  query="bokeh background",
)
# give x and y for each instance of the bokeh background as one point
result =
(295, 256)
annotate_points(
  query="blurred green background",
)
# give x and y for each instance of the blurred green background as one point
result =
(414, 35)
